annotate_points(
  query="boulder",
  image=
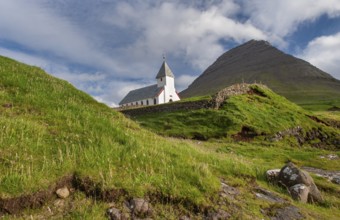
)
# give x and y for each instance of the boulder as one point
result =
(114, 214)
(63, 193)
(140, 207)
(272, 175)
(336, 180)
(299, 192)
(299, 183)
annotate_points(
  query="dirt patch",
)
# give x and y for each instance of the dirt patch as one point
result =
(7, 105)
(246, 134)
(333, 123)
(95, 191)
(318, 120)
(32, 201)
(16, 205)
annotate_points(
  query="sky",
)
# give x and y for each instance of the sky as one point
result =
(109, 47)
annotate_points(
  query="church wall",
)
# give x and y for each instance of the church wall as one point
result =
(160, 98)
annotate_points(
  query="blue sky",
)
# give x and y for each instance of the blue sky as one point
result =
(108, 47)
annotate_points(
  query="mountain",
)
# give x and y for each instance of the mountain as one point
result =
(258, 61)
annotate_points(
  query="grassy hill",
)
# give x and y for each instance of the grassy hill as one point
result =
(256, 113)
(54, 135)
(258, 61)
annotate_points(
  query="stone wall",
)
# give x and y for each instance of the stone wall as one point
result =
(169, 107)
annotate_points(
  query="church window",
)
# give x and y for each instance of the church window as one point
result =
(154, 101)
(161, 79)
(141, 102)
(147, 102)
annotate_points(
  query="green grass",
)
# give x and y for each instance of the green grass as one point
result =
(49, 130)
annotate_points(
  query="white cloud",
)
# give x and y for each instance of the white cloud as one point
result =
(183, 81)
(181, 30)
(280, 18)
(25, 58)
(324, 53)
(38, 28)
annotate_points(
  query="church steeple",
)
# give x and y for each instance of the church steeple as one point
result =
(164, 71)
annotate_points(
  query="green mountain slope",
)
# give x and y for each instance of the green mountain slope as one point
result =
(53, 135)
(258, 61)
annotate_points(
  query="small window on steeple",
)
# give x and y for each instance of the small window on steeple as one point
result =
(161, 79)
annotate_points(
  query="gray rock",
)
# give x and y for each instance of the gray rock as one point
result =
(290, 175)
(323, 173)
(299, 192)
(287, 213)
(63, 193)
(272, 175)
(219, 215)
(114, 214)
(268, 196)
(184, 218)
(228, 191)
(140, 207)
(336, 180)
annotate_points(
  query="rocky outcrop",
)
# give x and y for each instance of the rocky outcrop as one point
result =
(299, 184)
(333, 176)
(287, 213)
(237, 89)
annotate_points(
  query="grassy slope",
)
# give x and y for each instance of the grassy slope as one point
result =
(264, 115)
(50, 129)
(53, 130)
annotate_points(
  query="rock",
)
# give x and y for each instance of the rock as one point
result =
(336, 180)
(272, 175)
(184, 218)
(290, 176)
(287, 213)
(114, 214)
(228, 191)
(140, 207)
(268, 196)
(59, 203)
(219, 215)
(330, 157)
(299, 192)
(323, 173)
(63, 193)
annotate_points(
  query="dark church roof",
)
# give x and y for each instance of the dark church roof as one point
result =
(141, 94)
(164, 71)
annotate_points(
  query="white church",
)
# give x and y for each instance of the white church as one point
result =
(162, 92)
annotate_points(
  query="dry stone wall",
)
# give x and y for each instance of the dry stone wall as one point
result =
(170, 107)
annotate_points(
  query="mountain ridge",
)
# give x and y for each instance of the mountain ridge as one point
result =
(258, 61)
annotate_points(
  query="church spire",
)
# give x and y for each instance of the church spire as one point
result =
(164, 70)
